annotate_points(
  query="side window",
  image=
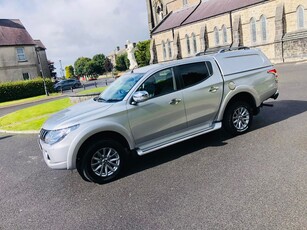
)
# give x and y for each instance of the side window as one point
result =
(160, 83)
(194, 73)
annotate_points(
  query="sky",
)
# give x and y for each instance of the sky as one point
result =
(79, 28)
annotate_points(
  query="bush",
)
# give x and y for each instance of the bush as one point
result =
(10, 91)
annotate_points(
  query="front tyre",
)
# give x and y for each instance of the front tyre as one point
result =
(238, 118)
(103, 161)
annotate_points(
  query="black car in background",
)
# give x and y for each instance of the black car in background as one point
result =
(67, 84)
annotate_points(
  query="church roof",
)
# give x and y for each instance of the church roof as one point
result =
(174, 20)
(12, 32)
(204, 10)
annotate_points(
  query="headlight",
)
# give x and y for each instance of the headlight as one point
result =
(54, 136)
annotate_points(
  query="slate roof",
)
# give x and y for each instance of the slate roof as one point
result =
(204, 10)
(174, 20)
(12, 32)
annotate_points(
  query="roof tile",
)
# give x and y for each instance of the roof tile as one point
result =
(12, 32)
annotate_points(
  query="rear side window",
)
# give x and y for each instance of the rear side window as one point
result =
(194, 73)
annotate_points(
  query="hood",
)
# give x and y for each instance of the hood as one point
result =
(76, 114)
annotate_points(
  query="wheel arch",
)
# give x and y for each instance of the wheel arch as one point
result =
(241, 96)
(107, 135)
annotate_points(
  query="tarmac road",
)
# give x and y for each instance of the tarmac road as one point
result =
(254, 181)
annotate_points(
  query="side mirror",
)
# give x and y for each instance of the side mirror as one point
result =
(140, 96)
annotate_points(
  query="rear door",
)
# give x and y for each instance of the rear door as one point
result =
(163, 114)
(202, 86)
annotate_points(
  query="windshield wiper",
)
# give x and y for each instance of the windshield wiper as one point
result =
(99, 99)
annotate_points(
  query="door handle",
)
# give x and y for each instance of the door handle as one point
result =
(213, 89)
(175, 101)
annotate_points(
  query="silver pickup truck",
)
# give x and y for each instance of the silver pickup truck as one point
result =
(156, 106)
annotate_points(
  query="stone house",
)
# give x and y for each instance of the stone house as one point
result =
(21, 57)
(183, 28)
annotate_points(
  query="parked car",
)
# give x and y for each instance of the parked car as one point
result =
(156, 106)
(67, 84)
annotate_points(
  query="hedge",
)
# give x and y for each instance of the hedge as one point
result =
(10, 91)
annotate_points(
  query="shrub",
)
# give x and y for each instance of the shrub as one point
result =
(10, 91)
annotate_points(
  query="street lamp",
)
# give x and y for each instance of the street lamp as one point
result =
(61, 69)
(37, 49)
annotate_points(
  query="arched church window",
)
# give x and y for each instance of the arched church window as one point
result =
(300, 17)
(188, 44)
(169, 49)
(194, 43)
(253, 30)
(224, 29)
(216, 36)
(263, 28)
(164, 50)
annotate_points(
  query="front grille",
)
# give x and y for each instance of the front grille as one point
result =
(43, 133)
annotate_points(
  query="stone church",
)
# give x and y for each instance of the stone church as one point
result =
(183, 28)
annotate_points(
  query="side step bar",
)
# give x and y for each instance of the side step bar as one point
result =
(142, 152)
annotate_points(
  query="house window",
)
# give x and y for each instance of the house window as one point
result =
(188, 44)
(194, 43)
(169, 49)
(216, 36)
(253, 30)
(21, 56)
(263, 28)
(300, 17)
(224, 34)
(26, 76)
(164, 50)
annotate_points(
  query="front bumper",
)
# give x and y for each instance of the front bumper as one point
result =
(55, 156)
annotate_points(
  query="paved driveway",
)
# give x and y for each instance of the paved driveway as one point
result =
(254, 181)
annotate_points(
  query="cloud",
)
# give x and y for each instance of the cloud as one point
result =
(74, 28)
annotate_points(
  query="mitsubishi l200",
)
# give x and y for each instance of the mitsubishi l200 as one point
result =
(155, 106)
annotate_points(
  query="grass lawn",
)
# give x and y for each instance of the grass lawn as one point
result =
(32, 118)
(94, 90)
(26, 100)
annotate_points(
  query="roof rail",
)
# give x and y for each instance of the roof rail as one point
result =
(200, 53)
(236, 48)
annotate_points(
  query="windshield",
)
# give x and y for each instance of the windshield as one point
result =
(119, 88)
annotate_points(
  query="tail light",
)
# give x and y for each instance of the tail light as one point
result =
(274, 72)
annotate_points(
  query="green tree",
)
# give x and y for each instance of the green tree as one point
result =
(142, 53)
(80, 65)
(99, 59)
(69, 71)
(91, 68)
(122, 62)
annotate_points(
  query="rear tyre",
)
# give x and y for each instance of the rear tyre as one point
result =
(238, 118)
(102, 162)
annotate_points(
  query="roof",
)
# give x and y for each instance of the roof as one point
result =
(174, 20)
(12, 32)
(39, 44)
(204, 10)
